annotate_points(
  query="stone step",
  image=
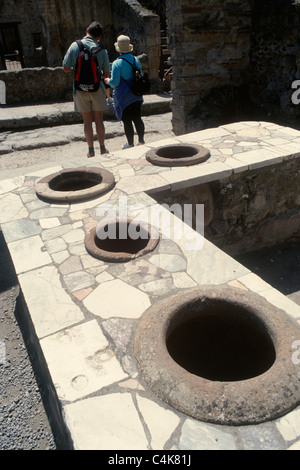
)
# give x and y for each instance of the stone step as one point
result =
(54, 114)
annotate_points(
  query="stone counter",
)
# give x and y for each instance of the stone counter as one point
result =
(83, 311)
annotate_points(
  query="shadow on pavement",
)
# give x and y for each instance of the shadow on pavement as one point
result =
(8, 277)
(279, 266)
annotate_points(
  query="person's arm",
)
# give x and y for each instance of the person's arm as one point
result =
(103, 59)
(114, 81)
(106, 66)
(70, 58)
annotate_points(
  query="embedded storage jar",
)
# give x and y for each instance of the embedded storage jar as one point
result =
(121, 240)
(220, 355)
(75, 184)
(178, 155)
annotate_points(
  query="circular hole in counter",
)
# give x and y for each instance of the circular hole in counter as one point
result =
(178, 155)
(121, 240)
(76, 184)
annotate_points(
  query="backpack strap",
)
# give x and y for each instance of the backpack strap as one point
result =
(132, 65)
(77, 67)
(135, 68)
(94, 50)
(80, 44)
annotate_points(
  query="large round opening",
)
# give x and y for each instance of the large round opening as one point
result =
(178, 155)
(177, 151)
(118, 237)
(75, 184)
(75, 181)
(121, 240)
(222, 343)
(220, 355)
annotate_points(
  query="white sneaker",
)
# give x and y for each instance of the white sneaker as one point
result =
(127, 146)
(110, 103)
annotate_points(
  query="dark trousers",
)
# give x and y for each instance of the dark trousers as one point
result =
(132, 116)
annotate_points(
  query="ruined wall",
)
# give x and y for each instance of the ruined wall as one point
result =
(143, 28)
(249, 210)
(65, 21)
(210, 42)
(232, 60)
(275, 55)
(39, 84)
(258, 209)
(157, 6)
(57, 23)
(27, 13)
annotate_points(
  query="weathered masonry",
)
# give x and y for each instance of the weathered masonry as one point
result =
(38, 33)
(34, 37)
(229, 60)
(232, 60)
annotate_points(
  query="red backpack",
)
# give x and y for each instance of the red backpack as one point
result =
(87, 71)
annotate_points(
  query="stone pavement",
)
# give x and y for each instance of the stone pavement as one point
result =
(59, 113)
(85, 311)
(59, 135)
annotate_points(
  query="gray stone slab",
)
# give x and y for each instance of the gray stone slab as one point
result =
(50, 307)
(22, 228)
(263, 437)
(29, 253)
(199, 436)
(79, 280)
(212, 266)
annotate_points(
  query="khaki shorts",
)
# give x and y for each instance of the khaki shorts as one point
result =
(84, 101)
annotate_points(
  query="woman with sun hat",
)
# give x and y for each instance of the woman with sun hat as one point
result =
(127, 105)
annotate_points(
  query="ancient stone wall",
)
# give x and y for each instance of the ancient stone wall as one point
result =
(56, 24)
(256, 210)
(38, 84)
(247, 211)
(210, 42)
(143, 28)
(157, 6)
(232, 60)
(63, 22)
(27, 14)
(275, 55)
(67, 21)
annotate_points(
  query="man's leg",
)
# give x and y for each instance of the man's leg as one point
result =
(98, 117)
(100, 130)
(88, 131)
